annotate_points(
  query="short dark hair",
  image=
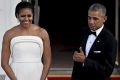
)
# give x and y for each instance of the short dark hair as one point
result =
(21, 5)
(98, 7)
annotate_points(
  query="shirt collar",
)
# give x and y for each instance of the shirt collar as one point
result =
(99, 30)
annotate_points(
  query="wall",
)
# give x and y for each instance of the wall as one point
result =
(7, 19)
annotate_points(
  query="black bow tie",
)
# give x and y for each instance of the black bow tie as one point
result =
(94, 33)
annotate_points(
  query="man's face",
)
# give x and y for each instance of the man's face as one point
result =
(95, 20)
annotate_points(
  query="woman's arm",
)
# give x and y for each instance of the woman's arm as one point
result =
(5, 57)
(46, 54)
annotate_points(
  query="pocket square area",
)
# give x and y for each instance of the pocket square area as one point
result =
(97, 51)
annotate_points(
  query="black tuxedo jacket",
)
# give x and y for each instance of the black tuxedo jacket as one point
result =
(100, 61)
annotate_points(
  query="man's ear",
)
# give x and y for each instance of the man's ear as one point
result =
(105, 18)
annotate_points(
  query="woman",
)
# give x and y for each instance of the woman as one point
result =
(28, 45)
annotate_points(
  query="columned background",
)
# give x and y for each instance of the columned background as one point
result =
(63, 20)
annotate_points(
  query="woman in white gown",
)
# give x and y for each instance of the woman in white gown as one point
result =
(27, 46)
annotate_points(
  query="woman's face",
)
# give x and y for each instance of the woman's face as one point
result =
(25, 16)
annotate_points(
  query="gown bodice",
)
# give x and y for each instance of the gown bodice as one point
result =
(26, 48)
(26, 55)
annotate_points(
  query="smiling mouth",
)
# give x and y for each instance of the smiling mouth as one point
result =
(26, 22)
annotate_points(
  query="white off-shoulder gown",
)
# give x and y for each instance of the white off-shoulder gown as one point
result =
(26, 54)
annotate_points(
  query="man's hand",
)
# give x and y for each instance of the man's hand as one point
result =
(79, 56)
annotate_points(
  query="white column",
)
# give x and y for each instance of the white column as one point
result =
(7, 19)
(36, 12)
(116, 28)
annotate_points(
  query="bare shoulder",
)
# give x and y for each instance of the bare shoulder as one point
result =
(35, 28)
(43, 33)
(10, 33)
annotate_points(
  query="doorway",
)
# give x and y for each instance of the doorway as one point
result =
(64, 20)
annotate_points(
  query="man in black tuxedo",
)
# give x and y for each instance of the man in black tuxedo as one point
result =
(96, 57)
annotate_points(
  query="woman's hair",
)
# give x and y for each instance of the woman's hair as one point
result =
(23, 5)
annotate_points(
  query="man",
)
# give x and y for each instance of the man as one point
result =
(96, 57)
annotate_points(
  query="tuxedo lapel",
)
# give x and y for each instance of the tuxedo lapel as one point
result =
(84, 41)
(97, 42)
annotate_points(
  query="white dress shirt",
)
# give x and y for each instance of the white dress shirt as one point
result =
(91, 39)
